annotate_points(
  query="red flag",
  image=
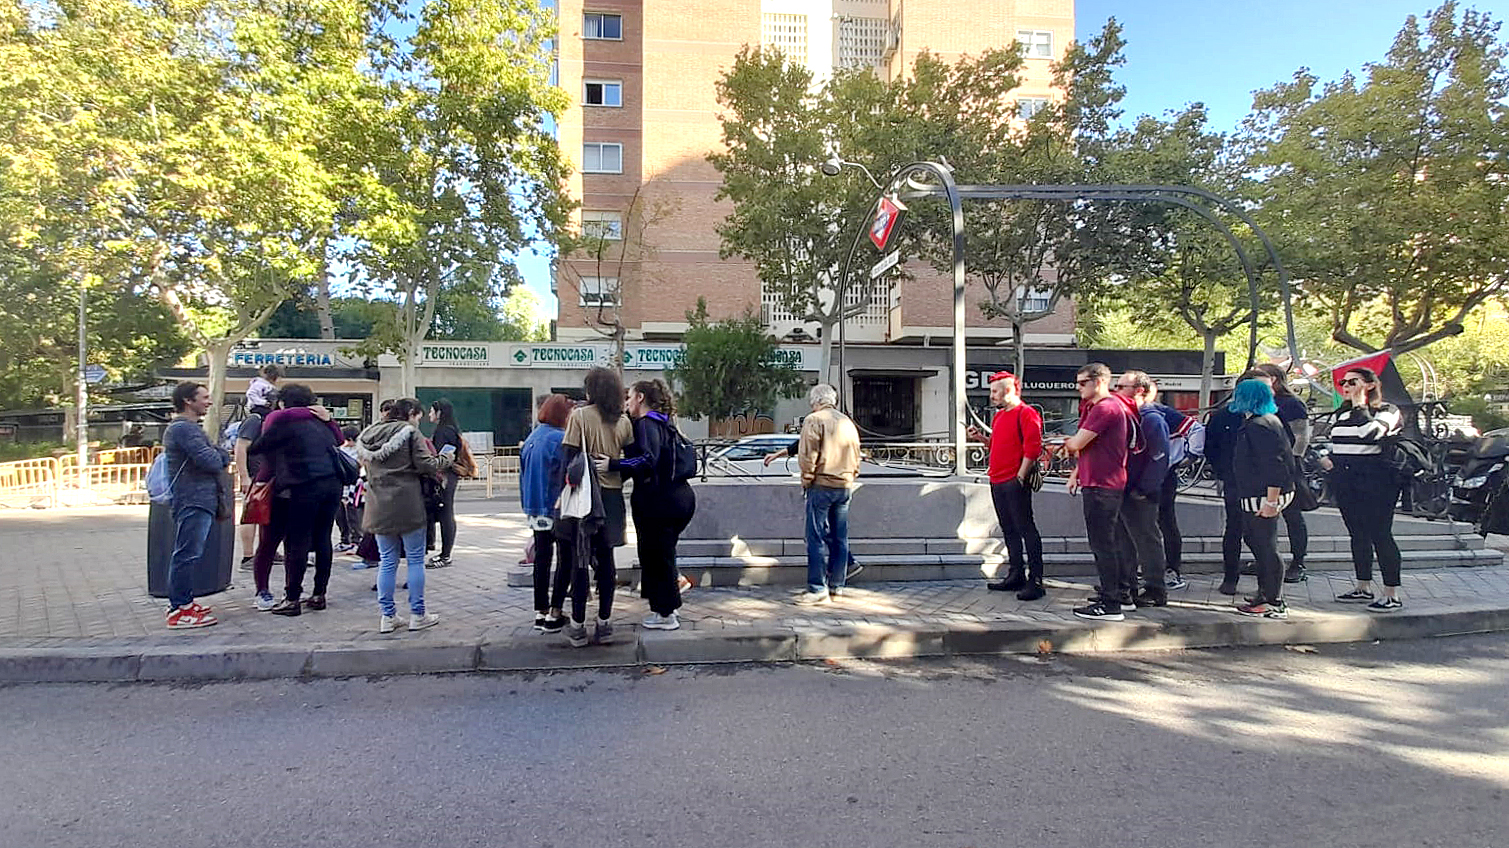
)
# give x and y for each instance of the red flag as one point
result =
(1380, 363)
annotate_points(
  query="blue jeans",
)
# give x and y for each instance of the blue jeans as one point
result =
(387, 570)
(827, 537)
(192, 529)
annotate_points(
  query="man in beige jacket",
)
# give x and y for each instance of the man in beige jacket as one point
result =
(829, 456)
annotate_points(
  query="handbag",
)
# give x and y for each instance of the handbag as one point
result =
(257, 509)
(433, 492)
(465, 464)
(347, 470)
(1304, 496)
(1034, 480)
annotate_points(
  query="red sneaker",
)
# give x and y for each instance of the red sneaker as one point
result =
(191, 616)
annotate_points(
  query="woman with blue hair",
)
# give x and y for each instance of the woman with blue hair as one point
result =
(1263, 471)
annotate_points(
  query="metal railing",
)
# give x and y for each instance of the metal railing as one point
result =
(29, 483)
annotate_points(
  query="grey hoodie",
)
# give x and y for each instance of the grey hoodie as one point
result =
(395, 455)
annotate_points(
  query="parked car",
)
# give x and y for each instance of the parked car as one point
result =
(746, 458)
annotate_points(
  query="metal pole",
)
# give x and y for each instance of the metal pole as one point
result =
(81, 396)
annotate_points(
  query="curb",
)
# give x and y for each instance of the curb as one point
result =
(118, 662)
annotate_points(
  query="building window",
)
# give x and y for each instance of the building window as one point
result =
(1036, 43)
(862, 42)
(602, 158)
(1028, 107)
(1034, 300)
(605, 226)
(602, 93)
(599, 291)
(596, 25)
(786, 33)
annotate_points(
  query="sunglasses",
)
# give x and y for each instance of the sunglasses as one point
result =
(1085, 382)
(1351, 381)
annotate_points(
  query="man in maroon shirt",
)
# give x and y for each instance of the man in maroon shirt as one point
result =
(1101, 476)
(1016, 441)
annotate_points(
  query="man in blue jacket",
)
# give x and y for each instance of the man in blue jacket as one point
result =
(194, 467)
(1147, 467)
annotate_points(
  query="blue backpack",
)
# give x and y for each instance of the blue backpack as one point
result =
(159, 487)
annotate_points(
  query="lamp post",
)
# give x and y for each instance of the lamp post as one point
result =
(945, 176)
(832, 168)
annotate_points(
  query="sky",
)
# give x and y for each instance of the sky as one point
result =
(1217, 52)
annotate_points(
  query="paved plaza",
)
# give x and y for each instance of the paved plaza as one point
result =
(75, 583)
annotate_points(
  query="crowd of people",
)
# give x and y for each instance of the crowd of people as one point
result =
(292, 457)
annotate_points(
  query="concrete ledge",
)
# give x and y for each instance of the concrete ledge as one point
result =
(1155, 630)
(739, 644)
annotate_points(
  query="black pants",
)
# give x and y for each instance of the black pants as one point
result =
(1102, 514)
(1139, 544)
(446, 517)
(1168, 523)
(544, 554)
(1231, 539)
(660, 514)
(1013, 503)
(1366, 495)
(571, 572)
(1299, 534)
(1262, 540)
(311, 516)
(349, 522)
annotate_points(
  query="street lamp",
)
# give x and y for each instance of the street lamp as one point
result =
(835, 165)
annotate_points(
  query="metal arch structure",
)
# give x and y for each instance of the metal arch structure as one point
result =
(1186, 197)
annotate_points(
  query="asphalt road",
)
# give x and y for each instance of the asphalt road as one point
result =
(1385, 745)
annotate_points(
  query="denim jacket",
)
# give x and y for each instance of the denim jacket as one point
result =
(194, 466)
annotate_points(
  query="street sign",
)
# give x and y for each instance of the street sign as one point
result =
(888, 214)
(94, 374)
(890, 261)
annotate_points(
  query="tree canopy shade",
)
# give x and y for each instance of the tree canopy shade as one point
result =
(1394, 188)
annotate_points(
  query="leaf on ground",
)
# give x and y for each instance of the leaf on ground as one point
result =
(655, 669)
(1044, 647)
(830, 662)
(1301, 649)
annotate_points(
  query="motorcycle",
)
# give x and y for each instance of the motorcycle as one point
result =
(1481, 478)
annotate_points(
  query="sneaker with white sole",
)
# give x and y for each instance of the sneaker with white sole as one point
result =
(190, 617)
(1356, 596)
(1098, 611)
(1385, 604)
(810, 598)
(387, 624)
(656, 621)
(1173, 580)
(576, 634)
(265, 601)
(420, 622)
(602, 632)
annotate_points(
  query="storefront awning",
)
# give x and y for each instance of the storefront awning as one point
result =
(894, 372)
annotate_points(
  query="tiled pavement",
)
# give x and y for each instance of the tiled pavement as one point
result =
(76, 579)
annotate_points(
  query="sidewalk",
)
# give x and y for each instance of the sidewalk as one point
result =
(79, 611)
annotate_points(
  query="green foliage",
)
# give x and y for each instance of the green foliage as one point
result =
(1392, 190)
(730, 367)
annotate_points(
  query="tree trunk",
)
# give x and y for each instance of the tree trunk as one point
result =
(218, 352)
(619, 333)
(1019, 342)
(1207, 367)
(408, 360)
(322, 294)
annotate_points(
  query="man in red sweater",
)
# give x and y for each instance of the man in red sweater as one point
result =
(1016, 442)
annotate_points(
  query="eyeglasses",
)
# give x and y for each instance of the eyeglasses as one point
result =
(1085, 381)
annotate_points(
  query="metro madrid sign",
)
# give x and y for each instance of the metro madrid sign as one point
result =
(888, 215)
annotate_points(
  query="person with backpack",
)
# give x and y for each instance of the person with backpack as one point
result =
(661, 463)
(193, 466)
(1100, 476)
(1147, 467)
(1186, 438)
(1221, 431)
(1296, 420)
(1365, 485)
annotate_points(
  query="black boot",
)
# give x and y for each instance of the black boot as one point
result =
(1034, 588)
(1229, 581)
(1295, 573)
(1015, 579)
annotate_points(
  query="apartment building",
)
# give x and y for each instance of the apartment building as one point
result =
(643, 73)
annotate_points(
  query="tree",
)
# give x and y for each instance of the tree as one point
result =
(460, 143)
(171, 149)
(730, 367)
(788, 219)
(1394, 189)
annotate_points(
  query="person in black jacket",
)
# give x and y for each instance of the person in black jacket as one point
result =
(1220, 441)
(1263, 472)
(296, 445)
(447, 434)
(662, 505)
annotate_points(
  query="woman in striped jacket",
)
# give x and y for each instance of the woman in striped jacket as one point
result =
(1363, 483)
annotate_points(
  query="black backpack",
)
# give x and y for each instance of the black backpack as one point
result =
(1408, 457)
(683, 455)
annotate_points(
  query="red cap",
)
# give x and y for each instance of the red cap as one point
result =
(1001, 375)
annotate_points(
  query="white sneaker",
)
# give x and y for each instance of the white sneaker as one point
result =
(420, 622)
(656, 621)
(387, 625)
(811, 598)
(265, 601)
